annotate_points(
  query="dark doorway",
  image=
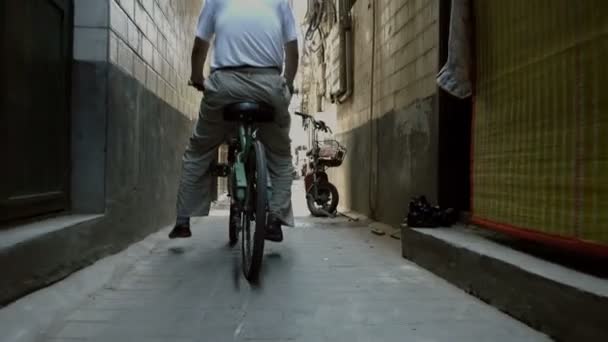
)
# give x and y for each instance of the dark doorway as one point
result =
(34, 102)
(454, 132)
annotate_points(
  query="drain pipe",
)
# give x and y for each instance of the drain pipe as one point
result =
(373, 130)
(348, 35)
(346, 51)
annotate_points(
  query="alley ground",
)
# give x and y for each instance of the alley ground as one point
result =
(331, 280)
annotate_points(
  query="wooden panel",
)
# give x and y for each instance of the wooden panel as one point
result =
(35, 107)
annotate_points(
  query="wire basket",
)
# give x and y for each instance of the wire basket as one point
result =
(331, 153)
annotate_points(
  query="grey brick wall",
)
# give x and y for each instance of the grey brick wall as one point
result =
(406, 59)
(91, 20)
(126, 142)
(151, 40)
(392, 147)
(406, 55)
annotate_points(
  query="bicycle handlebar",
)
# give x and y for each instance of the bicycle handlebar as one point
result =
(304, 115)
(320, 125)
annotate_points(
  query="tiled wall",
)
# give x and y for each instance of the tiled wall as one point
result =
(406, 57)
(389, 123)
(151, 40)
(126, 142)
(406, 52)
(91, 19)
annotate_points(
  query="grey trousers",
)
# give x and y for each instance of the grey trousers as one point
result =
(221, 89)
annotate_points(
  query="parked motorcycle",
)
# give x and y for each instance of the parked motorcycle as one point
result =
(322, 197)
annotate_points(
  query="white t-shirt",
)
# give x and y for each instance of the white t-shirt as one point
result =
(247, 32)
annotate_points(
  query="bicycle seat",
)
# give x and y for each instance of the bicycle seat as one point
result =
(249, 111)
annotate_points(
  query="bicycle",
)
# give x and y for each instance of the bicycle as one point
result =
(247, 173)
(249, 185)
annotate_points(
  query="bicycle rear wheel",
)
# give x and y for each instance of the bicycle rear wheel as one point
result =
(256, 211)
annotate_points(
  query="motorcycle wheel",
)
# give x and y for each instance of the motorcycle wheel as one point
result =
(326, 201)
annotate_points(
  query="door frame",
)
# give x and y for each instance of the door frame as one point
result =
(51, 202)
(455, 120)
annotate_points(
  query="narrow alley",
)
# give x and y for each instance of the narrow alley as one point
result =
(330, 280)
(449, 158)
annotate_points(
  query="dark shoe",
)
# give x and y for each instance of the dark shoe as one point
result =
(274, 232)
(180, 231)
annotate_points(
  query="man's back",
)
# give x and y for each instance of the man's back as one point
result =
(247, 32)
(252, 37)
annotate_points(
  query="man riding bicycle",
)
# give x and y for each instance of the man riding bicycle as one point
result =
(252, 40)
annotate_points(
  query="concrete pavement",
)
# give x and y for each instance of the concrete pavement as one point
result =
(331, 280)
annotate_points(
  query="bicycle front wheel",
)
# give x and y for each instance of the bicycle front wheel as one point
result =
(326, 200)
(256, 212)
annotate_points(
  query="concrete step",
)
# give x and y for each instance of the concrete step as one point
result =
(565, 304)
(38, 253)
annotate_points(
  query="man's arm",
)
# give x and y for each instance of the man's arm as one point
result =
(205, 29)
(291, 63)
(199, 56)
(290, 41)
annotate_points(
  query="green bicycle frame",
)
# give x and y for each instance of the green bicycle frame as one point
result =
(245, 137)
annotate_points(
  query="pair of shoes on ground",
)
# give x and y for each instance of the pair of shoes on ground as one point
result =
(273, 231)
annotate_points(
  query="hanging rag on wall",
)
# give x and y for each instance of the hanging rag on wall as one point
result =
(455, 76)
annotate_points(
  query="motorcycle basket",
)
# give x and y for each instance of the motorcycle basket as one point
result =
(331, 153)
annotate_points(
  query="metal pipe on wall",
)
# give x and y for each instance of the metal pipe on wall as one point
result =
(348, 67)
(346, 52)
(373, 129)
